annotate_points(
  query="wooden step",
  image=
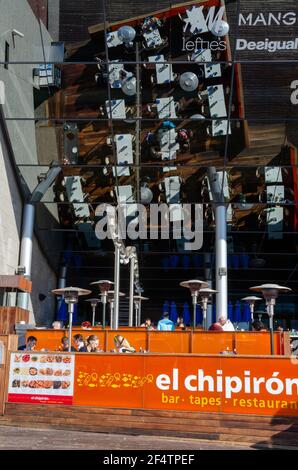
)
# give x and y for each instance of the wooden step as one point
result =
(254, 429)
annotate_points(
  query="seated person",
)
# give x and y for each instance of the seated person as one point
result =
(257, 325)
(166, 324)
(148, 324)
(30, 344)
(219, 325)
(122, 345)
(92, 344)
(86, 325)
(65, 344)
(228, 326)
(79, 343)
(57, 325)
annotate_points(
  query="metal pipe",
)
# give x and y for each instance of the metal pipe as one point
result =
(131, 290)
(136, 312)
(104, 309)
(205, 305)
(26, 250)
(138, 122)
(194, 301)
(61, 282)
(70, 314)
(220, 243)
(139, 313)
(116, 286)
(112, 314)
(270, 309)
(93, 315)
(221, 261)
(208, 278)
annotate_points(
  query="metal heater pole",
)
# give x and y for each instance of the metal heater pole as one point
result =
(116, 286)
(131, 290)
(70, 314)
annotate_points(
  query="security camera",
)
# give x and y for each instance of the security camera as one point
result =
(15, 32)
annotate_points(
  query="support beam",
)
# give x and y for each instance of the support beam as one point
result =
(220, 242)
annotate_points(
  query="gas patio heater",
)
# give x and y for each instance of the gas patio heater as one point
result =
(104, 287)
(93, 303)
(138, 304)
(111, 300)
(194, 286)
(270, 293)
(71, 297)
(206, 294)
(251, 300)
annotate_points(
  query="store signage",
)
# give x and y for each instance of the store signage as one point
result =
(267, 45)
(244, 385)
(294, 94)
(253, 385)
(268, 19)
(41, 378)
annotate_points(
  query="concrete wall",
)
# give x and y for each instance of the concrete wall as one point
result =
(10, 213)
(17, 81)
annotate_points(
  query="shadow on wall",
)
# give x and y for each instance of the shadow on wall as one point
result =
(283, 429)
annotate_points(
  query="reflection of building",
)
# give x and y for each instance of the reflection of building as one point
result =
(24, 41)
(227, 106)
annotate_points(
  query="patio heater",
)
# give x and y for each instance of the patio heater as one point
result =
(251, 300)
(194, 286)
(206, 294)
(104, 287)
(189, 81)
(71, 297)
(220, 28)
(111, 300)
(270, 293)
(93, 303)
(126, 34)
(138, 307)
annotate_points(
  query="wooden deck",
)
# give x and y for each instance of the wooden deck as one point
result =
(257, 430)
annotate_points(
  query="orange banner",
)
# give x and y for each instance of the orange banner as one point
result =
(262, 386)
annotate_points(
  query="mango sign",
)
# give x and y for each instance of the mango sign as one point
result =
(243, 385)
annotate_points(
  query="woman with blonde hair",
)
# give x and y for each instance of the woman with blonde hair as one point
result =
(122, 345)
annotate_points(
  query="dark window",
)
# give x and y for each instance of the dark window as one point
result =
(6, 55)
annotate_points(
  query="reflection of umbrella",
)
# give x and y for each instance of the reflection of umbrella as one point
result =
(246, 313)
(197, 261)
(237, 312)
(236, 261)
(165, 307)
(186, 314)
(186, 261)
(174, 260)
(230, 311)
(199, 315)
(166, 263)
(168, 124)
(173, 312)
